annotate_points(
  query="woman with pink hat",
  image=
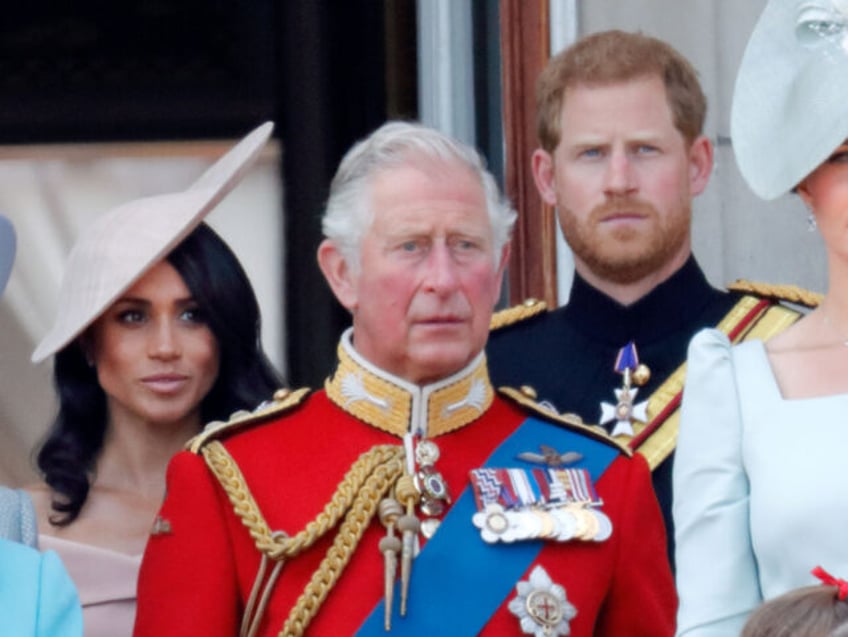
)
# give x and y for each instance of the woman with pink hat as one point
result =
(36, 595)
(157, 333)
(759, 487)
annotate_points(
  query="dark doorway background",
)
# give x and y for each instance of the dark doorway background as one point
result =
(327, 71)
(348, 67)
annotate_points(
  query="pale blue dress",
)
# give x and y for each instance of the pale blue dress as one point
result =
(37, 598)
(760, 487)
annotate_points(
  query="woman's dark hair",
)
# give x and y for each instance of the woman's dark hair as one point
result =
(227, 303)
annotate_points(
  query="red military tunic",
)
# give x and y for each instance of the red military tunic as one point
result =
(201, 561)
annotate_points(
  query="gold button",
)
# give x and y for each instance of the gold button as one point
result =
(528, 391)
(282, 394)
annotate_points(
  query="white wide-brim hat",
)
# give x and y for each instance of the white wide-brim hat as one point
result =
(7, 251)
(790, 103)
(123, 244)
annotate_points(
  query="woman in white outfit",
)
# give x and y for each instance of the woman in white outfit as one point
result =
(761, 495)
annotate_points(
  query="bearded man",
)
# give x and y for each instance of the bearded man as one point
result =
(620, 121)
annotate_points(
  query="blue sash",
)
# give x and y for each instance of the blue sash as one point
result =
(458, 580)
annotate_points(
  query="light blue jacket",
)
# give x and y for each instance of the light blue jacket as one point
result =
(37, 597)
(17, 517)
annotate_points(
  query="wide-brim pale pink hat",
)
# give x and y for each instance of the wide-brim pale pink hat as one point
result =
(7, 251)
(123, 244)
(790, 102)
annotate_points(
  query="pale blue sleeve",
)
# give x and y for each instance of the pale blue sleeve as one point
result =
(716, 569)
(59, 613)
(17, 517)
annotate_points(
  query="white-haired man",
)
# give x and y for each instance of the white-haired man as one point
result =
(406, 495)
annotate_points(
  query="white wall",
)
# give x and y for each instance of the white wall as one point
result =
(736, 235)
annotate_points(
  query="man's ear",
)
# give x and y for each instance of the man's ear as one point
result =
(543, 175)
(338, 274)
(700, 164)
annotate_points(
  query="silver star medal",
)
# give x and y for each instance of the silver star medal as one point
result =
(496, 524)
(625, 410)
(541, 606)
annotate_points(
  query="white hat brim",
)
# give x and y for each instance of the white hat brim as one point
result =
(124, 243)
(789, 108)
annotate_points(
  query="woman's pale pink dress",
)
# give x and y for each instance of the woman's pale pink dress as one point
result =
(106, 582)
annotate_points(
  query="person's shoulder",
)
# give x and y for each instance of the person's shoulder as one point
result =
(282, 403)
(518, 335)
(779, 293)
(528, 312)
(16, 555)
(764, 310)
(525, 401)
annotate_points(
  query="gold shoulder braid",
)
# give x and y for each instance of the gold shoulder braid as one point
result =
(520, 312)
(356, 498)
(282, 401)
(788, 293)
(526, 397)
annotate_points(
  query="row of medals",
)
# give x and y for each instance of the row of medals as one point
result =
(572, 521)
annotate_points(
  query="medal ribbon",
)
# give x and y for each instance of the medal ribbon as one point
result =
(458, 580)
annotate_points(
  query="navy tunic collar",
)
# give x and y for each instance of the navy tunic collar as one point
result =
(674, 304)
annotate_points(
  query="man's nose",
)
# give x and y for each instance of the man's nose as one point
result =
(441, 275)
(620, 176)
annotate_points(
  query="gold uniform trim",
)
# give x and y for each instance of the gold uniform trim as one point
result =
(787, 293)
(566, 420)
(354, 504)
(282, 401)
(771, 321)
(397, 407)
(516, 313)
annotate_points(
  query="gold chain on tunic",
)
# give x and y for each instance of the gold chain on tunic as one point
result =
(356, 499)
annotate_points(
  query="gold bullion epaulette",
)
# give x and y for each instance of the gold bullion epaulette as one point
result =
(526, 397)
(282, 401)
(516, 313)
(789, 293)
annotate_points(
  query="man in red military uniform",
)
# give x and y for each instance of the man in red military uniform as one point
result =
(407, 495)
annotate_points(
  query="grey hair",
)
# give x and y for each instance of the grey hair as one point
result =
(349, 213)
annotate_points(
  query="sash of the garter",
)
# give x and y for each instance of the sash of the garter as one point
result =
(458, 580)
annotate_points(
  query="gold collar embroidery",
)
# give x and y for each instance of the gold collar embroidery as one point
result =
(398, 407)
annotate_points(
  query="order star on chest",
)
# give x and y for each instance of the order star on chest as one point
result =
(541, 606)
(626, 410)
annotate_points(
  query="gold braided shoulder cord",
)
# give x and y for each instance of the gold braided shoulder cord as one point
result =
(358, 495)
(789, 293)
(365, 504)
(516, 313)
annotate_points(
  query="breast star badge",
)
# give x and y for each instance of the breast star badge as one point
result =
(541, 606)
